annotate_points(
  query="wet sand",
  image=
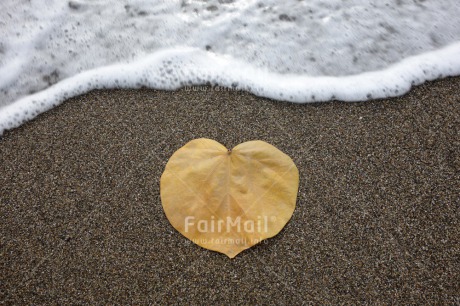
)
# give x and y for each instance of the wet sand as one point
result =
(376, 218)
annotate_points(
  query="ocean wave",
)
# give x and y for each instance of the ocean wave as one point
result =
(297, 51)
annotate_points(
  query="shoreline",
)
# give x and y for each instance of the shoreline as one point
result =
(376, 219)
(390, 82)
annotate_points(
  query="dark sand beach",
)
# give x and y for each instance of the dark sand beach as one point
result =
(377, 216)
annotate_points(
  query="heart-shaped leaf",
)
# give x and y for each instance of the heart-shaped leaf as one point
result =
(229, 200)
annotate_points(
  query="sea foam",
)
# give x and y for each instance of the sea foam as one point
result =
(298, 51)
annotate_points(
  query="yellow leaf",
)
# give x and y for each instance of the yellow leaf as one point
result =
(229, 200)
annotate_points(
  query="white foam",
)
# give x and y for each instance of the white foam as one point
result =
(302, 51)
